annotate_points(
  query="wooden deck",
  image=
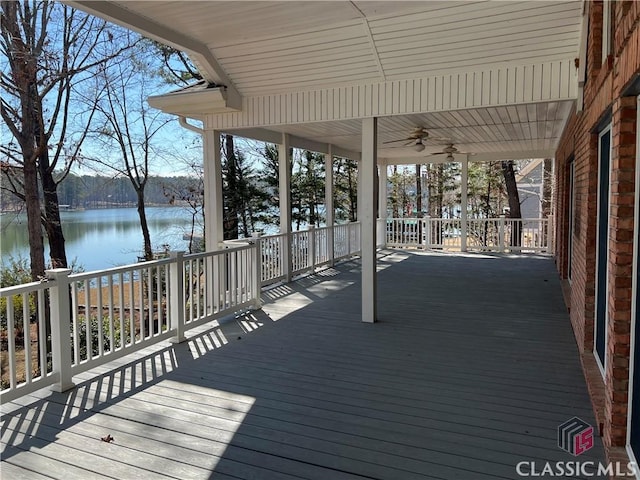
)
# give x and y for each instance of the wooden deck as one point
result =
(469, 371)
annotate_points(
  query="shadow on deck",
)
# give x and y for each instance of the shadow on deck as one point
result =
(469, 371)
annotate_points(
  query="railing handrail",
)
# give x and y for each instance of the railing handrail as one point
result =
(95, 317)
(489, 233)
(25, 288)
(121, 269)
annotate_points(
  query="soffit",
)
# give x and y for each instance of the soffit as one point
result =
(265, 50)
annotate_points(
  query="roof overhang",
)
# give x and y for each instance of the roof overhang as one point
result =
(497, 78)
(195, 102)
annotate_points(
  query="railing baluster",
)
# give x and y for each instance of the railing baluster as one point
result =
(112, 345)
(123, 340)
(42, 334)
(75, 327)
(11, 341)
(197, 280)
(141, 308)
(26, 337)
(87, 318)
(99, 317)
(132, 319)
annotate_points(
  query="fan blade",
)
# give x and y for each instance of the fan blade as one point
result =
(410, 144)
(396, 141)
(449, 153)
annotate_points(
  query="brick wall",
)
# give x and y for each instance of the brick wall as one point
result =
(602, 95)
(620, 268)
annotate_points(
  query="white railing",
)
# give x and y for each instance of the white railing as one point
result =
(442, 233)
(24, 309)
(74, 322)
(346, 240)
(273, 254)
(115, 311)
(486, 234)
(301, 251)
(403, 232)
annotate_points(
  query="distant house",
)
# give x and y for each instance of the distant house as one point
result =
(530, 181)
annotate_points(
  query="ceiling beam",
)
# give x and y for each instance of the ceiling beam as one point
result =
(206, 62)
(272, 136)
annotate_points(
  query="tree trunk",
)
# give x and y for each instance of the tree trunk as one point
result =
(34, 225)
(395, 201)
(547, 191)
(418, 191)
(230, 219)
(148, 252)
(51, 219)
(353, 196)
(26, 82)
(514, 201)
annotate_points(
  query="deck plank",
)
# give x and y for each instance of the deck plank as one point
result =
(469, 370)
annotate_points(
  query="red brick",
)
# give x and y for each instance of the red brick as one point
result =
(602, 91)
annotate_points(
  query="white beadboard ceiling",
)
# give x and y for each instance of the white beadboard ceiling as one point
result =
(262, 48)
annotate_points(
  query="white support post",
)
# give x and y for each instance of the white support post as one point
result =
(256, 258)
(426, 232)
(382, 205)
(61, 328)
(312, 248)
(550, 235)
(213, 228)
(366, 206)
(284, 173)
(176, 296)
(328, 203)
(464, 189)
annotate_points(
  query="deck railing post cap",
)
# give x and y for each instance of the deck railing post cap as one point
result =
(54, 273)
(176, 253)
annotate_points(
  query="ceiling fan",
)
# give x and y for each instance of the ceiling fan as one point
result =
(449, 151)
(417, 138)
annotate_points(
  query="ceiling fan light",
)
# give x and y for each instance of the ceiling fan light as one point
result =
(451, 158)
(418, 147)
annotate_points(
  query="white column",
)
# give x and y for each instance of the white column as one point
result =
(176, 295)
(213, 226)
(60, 328)
(464, 188)
(328, 202)
(367, 209)
(284, 177)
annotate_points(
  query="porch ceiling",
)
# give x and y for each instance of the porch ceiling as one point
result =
(492, 76)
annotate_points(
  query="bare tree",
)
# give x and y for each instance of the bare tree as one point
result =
(129, 127)
(513, 197)
(49, 50)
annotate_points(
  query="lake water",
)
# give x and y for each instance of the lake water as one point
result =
(104, 238)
